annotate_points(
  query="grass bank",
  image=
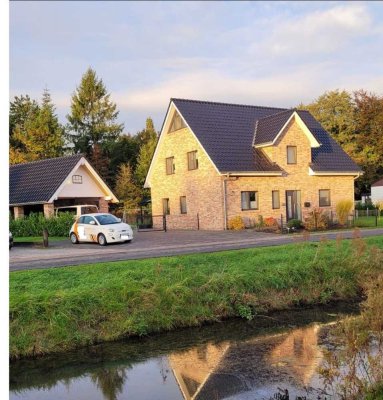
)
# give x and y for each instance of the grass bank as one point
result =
(56, 309)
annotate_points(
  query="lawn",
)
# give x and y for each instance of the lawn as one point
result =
(38, 239)
(63, 308)
(369, 222)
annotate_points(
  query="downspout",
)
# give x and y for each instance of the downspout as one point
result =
(224, 201)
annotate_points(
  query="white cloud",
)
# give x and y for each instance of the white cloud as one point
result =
(320, 31)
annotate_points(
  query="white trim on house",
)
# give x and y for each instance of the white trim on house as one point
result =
(83, 162)
(302, 125)
(332, 173)
(254, 173)
(172, 109)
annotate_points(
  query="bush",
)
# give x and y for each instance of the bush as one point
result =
(270, 222)
(294, 223)
(316, 220)
(236, 223)
(35, 223)
(343, 210)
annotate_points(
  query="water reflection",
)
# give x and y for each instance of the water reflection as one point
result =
(232, 360)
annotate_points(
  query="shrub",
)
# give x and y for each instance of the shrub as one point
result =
(236, 223)
(316, 220)
(35, 223)
(379, 207)
(270, 221)
(343, 210)
(294, 223)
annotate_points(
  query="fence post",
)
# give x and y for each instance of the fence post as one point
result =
(45, 237)
(198, 221)
(164, 221)
(376, 217)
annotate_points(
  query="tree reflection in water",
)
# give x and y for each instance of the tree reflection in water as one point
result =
(110, 381)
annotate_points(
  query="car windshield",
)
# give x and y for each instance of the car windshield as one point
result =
(107, 219)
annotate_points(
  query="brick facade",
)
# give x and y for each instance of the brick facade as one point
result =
(49, 210)
(204, 187)
(103, 205)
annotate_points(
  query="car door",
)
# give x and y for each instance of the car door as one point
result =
(90, 228)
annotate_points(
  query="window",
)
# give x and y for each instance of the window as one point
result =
(76, 179)
(183, 205)
(170, 167)
(177, 123)
(192, 160)
(291, 154)
(324, 198)
(275, 199)
(89, 220)
(249, 200)
(165, 207)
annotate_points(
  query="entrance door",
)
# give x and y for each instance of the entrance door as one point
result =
(293, 204)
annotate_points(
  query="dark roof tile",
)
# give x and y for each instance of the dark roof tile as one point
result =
(228, 131)
(36, 182)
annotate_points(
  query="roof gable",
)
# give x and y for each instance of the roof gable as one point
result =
(37, 182)
(228, 132)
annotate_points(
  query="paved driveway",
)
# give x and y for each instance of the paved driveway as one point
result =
(153, 244)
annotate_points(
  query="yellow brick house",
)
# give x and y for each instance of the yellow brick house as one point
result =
(214, 161)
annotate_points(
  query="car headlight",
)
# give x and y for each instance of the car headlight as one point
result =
(111, 230)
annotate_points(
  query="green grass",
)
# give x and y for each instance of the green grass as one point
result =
(369, 222)
(63, 308)
(38, 239)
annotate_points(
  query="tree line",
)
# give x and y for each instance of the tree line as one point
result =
(354, 120)
(121, 159)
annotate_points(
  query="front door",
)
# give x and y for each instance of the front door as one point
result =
(293, 204)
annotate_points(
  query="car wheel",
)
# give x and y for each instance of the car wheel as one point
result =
(73, 238)
(101, 239)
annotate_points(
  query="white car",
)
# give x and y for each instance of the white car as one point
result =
(101, 228)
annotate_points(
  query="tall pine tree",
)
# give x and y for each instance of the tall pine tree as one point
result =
(93, 117)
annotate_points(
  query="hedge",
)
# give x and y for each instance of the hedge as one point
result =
(34, 224)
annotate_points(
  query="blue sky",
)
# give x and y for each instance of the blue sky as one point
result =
(262, 53)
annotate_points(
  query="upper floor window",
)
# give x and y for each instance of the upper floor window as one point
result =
(76, 179)
(183, 205)
(291, 154)
(275, 199)
(324, 198)
(192, 160)
(249, 200)
(177, 123)
(170, 167)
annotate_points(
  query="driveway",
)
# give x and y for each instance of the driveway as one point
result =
(154, 244)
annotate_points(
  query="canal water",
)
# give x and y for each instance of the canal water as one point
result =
(235, 359)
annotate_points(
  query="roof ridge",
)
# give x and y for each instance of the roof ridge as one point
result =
(278, 113)
(228, 104)
(46, 159)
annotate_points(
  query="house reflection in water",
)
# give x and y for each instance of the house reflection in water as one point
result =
(218, 371)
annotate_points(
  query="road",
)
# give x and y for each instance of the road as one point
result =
(156, 244)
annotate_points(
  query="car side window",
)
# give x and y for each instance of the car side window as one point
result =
(80, 220)
(87, 220)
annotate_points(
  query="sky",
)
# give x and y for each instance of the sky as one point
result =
(260, 53)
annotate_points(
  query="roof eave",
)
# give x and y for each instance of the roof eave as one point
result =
(252, 173)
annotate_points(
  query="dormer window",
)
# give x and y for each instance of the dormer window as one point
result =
(177, 123)
(291, 154)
